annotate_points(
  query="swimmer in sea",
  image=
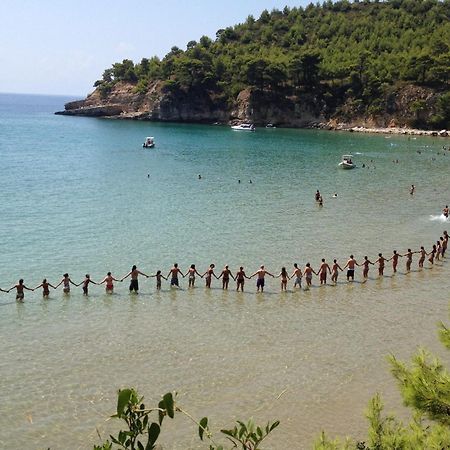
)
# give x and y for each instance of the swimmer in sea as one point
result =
(317, 195)
(408, 255)
(158, 275)
(297, 275)
(445, 211)
(412, 189)
(173, 274)
(134, 283)
(225, 274)
(86, 283)
(45, 287)
(381, 261)
(365, 266)
(308, 271)
(20, 294)
(284, 278)
(350, 266)
(423, 254)
(320, 201)
(260, 278)
(394, 259)
(109, 280)
(192, 271)
(209, 274)
(323, 272)
(240, 279)
(334, 271)
(66, 282)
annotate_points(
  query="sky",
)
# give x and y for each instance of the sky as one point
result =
(61, 47)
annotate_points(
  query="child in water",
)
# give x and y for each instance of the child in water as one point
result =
(158, 277)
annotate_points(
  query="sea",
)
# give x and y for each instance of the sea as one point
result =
(82, 196)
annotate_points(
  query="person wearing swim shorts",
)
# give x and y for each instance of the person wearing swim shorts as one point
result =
(208, 275)
(350, 266)
(66, 282)
(334, 271)
(109, 280)
(323, 272)
(240, 279)
(86, 283)
(260, 280)
(226, 274)
(173, 274)
(19, 287)
(134, 283)
(45, 288)
(192, 271)
(297, 275)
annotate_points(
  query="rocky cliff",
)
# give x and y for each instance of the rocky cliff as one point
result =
(403, 106)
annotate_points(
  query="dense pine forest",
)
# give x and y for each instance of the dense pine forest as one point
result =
(349, 56)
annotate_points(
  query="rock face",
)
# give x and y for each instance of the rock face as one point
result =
(161, 102)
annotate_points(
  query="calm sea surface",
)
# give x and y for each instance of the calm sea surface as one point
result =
(81, 195)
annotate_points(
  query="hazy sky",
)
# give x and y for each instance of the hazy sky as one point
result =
(63, 46)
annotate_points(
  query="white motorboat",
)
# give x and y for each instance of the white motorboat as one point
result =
(346, 162)
(149, 142)
(244, 127)
(270, 125)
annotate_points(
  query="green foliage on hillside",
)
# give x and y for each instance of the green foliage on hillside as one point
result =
(352, 49)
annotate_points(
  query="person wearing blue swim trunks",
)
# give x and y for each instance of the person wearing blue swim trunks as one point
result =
(174, 271)
(260, 274)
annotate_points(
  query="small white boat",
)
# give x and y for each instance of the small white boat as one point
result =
(244, 127)
(270, 125)
(346, 162)
(149, 142)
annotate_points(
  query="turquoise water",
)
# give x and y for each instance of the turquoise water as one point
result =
(81, 195)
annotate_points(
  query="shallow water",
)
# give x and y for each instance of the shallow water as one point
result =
(76, 197)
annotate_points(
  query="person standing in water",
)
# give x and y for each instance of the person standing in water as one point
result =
(86, 283)
(225, 274)
(173, 274)
(158, 275)
(323, 272)
(260, 278)
(432, 254)
(409, 257)
(284, 278)
(423, 255)
(365, 266)
(109, 280)
(334, 271)
(45, 288)
(240, 279)
(350, 266)
(66, 282)
(208, 275)
(412, 189)
(317, 196)
(445, 211)
(297, 275)
(134, 283)
(192, 271)
(308, 271)
(394, 259)
(19, 287)
(380, 261)
(443, 245)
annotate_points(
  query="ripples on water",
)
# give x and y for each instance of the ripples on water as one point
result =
(79, 200)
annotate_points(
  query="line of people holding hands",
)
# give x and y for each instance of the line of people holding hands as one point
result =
(437, 252)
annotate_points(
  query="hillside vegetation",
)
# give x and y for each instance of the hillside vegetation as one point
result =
(348, 57)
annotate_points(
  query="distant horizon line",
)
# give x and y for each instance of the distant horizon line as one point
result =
(43, 94)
